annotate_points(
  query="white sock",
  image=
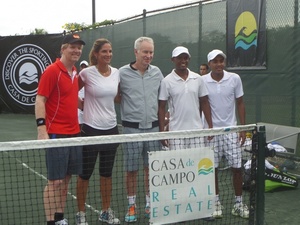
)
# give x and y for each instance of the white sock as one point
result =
(217, 198)
(147, 200)
(238, 199)
(131, 199)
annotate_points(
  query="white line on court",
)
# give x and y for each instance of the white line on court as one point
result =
(93, 209)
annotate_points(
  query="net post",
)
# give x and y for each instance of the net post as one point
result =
(253, 177)
(260, 197)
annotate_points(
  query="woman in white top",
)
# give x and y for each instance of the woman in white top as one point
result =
(100, 82)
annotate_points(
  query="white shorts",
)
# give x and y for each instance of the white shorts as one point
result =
(185, 143)
(227, 145)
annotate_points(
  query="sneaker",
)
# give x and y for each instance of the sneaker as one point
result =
(80, 219)
(62, 222)
(108, 217)
(218, 210)
(147, 211)
(240, 209)
(131, 215)
(211, 218)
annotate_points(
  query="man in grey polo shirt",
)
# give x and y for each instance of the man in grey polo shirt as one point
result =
(139, 88)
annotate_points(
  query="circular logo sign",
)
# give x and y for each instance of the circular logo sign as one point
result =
(21, 71)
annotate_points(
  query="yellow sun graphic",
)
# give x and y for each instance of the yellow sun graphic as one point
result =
(245, 23)
(205, 163)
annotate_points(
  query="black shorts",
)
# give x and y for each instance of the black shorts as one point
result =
(107, 153)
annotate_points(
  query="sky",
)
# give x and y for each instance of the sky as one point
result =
(20, 17)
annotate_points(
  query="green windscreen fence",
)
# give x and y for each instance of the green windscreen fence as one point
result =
(271, 94)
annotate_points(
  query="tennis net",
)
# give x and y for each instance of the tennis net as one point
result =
(181, 179)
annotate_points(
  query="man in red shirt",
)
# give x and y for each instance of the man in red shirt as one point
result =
(56, 116)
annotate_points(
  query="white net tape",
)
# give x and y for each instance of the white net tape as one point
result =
(122, 138)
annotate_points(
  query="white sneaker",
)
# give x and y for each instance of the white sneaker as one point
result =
(80, 218)
(62, 222)
(218, 213)
(240, 209)
(108, 217)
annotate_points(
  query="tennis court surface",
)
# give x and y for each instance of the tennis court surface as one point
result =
(281, 207)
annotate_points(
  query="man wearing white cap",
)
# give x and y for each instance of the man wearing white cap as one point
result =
(185, 92)
(83, 64)
(225, 93)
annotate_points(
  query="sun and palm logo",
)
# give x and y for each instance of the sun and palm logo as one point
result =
(205, 167)
(245, 31)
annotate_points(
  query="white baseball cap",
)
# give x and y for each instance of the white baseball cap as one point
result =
(84, 62)
(179, 50)
(214, 53)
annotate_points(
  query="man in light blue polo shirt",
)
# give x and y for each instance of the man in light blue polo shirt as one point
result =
(139, 87)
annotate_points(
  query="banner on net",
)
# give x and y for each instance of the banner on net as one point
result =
(182, 185)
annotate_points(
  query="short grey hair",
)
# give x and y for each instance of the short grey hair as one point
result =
(138, 42)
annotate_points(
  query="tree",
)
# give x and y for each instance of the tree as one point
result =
(38, 31)
(73, 27)
(70, 27)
